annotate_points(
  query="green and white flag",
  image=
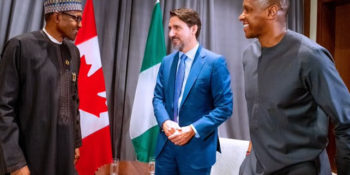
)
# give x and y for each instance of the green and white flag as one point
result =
(143, 124)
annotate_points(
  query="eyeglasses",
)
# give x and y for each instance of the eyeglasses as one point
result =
(76, 18)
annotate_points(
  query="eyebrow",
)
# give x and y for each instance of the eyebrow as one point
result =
(175, 25)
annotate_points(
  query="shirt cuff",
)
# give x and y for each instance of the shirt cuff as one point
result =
(195, 131)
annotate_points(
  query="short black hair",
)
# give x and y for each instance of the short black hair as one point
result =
(283, 4)
(47, 16)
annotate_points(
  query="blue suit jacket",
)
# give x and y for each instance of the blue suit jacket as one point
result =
(206, 103)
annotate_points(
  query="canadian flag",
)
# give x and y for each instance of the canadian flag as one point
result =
(96, 149)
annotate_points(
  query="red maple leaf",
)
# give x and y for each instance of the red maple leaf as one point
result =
(89, 87)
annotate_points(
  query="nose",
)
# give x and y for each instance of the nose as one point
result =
(171, 33)
(241, 16)
(80, 24)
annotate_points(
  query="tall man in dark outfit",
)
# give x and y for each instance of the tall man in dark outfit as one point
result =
(39, 117)
(192, 98)
(292, 88)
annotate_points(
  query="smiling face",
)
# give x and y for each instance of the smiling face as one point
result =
(253, 18)
(67, 26)
(180, 34)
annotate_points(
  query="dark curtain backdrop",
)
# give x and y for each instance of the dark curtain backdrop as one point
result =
(122, 27)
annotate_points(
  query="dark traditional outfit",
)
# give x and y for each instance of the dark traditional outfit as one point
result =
(292, 89)
(39, 117)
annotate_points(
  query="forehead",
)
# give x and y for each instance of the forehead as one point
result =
(252, 3)
(174, 20)
(75, 12)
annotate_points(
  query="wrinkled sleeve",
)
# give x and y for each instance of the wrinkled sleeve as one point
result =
(159, 98)
(11, 153)
(223, 100)
(78, 139)
(330, 92)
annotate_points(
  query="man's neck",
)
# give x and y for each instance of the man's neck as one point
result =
(190, 46)
(274, 35)
(53, 33)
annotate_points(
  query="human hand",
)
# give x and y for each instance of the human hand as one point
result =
(182, 135)
(169, 127)
(249, 149)
(23, 171)
(76, 155)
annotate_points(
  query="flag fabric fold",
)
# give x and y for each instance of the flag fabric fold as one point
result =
(143, 125)
(96, 149)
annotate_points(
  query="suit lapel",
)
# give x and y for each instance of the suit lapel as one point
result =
(171, 78)
(196, 68)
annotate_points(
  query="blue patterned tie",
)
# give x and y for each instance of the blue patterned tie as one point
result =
(180, 75)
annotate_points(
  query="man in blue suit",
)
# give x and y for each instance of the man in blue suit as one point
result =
(192, 98)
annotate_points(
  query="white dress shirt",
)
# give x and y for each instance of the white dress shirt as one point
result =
(188, 64)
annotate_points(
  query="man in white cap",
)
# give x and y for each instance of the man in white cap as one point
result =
(39, 117)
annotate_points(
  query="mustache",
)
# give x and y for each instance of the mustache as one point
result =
(174, 37)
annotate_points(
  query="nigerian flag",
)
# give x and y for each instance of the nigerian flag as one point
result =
(143, 124)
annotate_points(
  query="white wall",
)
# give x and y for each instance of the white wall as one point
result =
(313, 19)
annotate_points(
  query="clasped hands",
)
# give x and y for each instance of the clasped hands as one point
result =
(176, 134)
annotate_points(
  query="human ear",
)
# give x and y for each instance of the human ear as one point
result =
(194, 29)
(56, 17)
(272, 11)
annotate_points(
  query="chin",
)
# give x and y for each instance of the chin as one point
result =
(249, 35)
(178, 47)
(71, 38)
